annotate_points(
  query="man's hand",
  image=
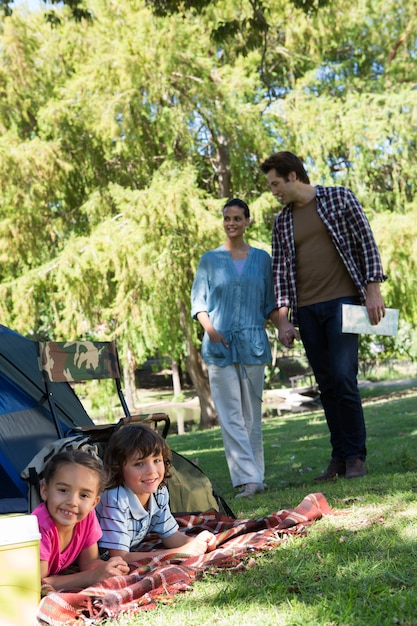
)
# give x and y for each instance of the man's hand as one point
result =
(374, 303)
(286, 330)
(287, 333)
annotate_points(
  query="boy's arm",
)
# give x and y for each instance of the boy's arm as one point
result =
(174, 544)
(200, 544)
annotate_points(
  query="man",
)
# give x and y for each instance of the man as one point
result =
(323, 255)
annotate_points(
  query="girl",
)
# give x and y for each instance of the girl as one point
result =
(137, 501)
(68, 524)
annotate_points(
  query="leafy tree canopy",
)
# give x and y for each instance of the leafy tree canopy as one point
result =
(121, 135)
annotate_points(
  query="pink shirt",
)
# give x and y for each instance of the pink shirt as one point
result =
(86, 533)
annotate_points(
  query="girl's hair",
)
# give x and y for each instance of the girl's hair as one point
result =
(80, 457)
(240, 203)
(134, 439)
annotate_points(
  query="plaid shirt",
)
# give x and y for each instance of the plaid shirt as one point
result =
(350, 232)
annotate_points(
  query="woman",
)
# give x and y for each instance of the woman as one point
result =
(232, 297)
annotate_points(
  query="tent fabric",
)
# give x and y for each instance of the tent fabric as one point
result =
(191, 491)
(27, 426)
(158, 578)
(26, 423)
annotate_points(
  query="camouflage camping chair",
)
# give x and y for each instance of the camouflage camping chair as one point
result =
(73, 362)
(80, 361)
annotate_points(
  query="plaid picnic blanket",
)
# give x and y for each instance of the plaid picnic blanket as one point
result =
(165, 576)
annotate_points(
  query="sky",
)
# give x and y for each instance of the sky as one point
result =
(30, 4)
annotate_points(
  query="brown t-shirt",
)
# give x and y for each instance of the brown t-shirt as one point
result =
(321, 273)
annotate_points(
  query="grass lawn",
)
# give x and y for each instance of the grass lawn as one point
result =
(354, 568)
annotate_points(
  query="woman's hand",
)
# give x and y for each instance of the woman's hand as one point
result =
(213, 334)
(216, 337)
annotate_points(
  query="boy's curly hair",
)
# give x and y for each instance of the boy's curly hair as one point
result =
(132, 439)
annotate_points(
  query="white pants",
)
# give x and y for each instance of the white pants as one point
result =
(237, 395)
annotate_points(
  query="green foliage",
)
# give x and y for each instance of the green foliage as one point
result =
(119, 135)
(100, 400)
(163, 8)
(104, 283)
(376, 351)
(369, 149)
(397, 237)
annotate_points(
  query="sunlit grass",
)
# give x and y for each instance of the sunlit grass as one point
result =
(354, 568)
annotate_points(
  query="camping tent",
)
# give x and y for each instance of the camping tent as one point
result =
(26, 423)
(27, 426)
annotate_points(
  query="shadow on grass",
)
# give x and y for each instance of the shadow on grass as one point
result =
(362, 576)
(297, 448)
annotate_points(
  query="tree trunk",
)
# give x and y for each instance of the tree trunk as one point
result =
(223, 168)
(176, 380)
(198, 373)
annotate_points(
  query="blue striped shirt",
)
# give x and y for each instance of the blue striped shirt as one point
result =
(350, 231)
(125, 522)
(238, 306)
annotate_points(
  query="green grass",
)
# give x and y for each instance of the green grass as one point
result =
(355, 568)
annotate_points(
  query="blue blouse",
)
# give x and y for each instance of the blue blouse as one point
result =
(238, 306)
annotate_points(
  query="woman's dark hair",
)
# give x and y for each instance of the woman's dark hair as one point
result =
(80, 457)
(240, 203)
(134, 439)
(284, 163)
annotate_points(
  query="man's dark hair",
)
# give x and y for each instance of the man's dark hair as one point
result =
(284, 163)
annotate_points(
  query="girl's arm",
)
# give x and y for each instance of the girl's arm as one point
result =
(93, 570)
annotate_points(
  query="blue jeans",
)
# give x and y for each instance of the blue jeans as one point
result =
(333, 356)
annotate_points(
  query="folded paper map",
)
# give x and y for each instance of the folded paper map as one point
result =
(355, 319)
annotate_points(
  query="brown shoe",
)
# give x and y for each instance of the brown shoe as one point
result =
(335, 469)
(355, 468)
